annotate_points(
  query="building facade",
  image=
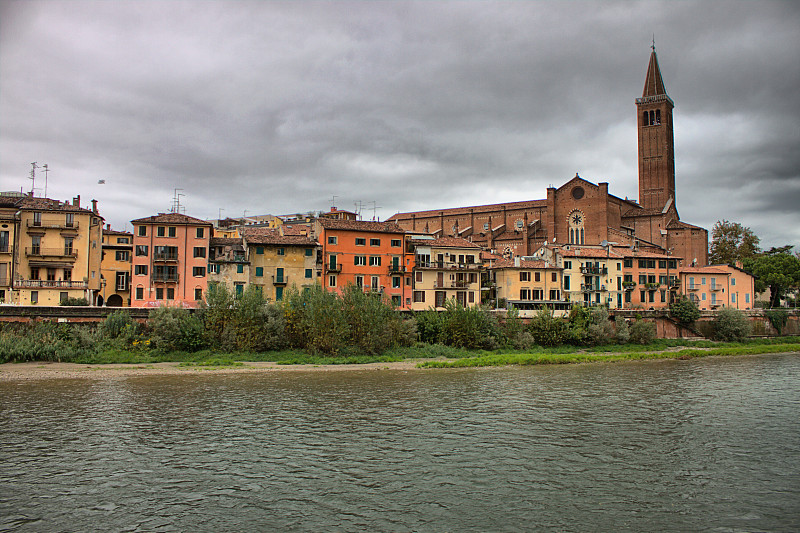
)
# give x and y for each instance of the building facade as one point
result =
(716, 286)
(280, 261)
(115, 290)
(170, 260)
(444, 268)
(529, 284)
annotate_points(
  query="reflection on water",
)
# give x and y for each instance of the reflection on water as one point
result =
(710, 444)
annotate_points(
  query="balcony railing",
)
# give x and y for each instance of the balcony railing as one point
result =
(693, 287)
(451, 284)
(651, 286)
(280, 280)
(49, 284)
(628, 285)
(716, 287)
(53, 224)
(6, 250)
(396, 269)
(594, 270)
(447, 265)
(593, 288)
(38, 251)
(166, 278)
(165, 257)
(334, 268)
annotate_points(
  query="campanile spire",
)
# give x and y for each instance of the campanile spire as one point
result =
(656, 141)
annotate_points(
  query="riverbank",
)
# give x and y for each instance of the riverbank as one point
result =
(46, 370)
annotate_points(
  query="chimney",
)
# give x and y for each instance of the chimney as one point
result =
(76, 201)
(517, 261)
(94, 206)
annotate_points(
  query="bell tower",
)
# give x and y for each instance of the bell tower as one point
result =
(656, 143)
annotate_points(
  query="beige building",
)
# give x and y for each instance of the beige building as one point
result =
(278, 261)
(528, 284)
(715, 286)
(53, 251)
(445, 268)
(115, 269)
(228, 264)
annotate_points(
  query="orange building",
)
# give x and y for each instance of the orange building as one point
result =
(115, 268)
(170, 257)
(715, 286)
(368, 254)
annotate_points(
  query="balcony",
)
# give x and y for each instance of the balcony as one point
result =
(49, 284)
(396, 269)
(628, 285)
(651, 286)
(716, 288)
(451, 284)
(593, 288)
(693, 288)
(6, 250)
(57, 253)
(597, 271)
(447, 265)
(53, 224)
(334, 268)
(280, 280)
(165, 257)
(166, 277)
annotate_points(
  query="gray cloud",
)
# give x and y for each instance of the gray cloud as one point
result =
(276, 107)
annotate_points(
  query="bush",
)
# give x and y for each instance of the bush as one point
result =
(642, 332)
(547, 330)
(623, 332)
(778, 318)
(515, 332)
(175, 329)
(577, 329)
(468, 327)
(119, 323)
(74, 302)
(731, 325)
(684, 311)
(600, 330)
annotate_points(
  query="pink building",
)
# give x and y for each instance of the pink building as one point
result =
(170, 260)
(716, 286)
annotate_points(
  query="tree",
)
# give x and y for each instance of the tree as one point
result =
(731, 325)
(777, 269)
(732, 242)
(684, 310)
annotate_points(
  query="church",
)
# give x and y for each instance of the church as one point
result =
(582, 212)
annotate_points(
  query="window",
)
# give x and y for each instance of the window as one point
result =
(331, 281)
(3, 241)
(566, 283)
(36, 245)
(123, 240)
(34, 273)
(360, 281)
(67, 274)
(259, 272)
(123, 255)
(142, 232)
(642, 279)
(395, 282)
(239, 288)
(628, 263)
(51, 274)
(122, 281)
(537, 276)
(240, 268)
(733, 281)
(199, 251)
(37, 219)
(374, 260)
(309, 273)
(140, 270)
(198, 294)
(703, 297)
(395, 300)
(554, 276)
(361, 242)
(375, 282)
(418, 296)
(524, 294)
(200, 235)
(702, 281)
(418, 276)
(278, 293)
(662, 263)
(34, 297)
(213, 268)
(161, 231)
(141, 249)
(170, 293)
(471, 298)
(360, 260)
(281, 251)
(332, 239)
(68, 249)
(140, 292)
(160, 293)
(663, 296)
(673, 263)
(198, 271)
(396, 243)
(259, 250)
(374, 242)
(524, 276)
(278, 275)
(171, 231)
(309, 252)
(747, 298)
(568, 264)
(69, 220)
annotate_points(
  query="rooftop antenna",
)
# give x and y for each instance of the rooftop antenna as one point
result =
(358, 205)
(333, 202)
(46, 170)
(219, 213)
(176, 202)
(375, 209)
(34, 166)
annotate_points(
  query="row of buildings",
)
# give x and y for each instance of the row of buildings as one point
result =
(580, 245)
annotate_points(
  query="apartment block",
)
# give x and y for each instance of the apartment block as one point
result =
(444, 268)
(170, 260)
(278, 261)
(716, 286)
(228, 264)
(368, 254)
(529, 284)
(115, 268)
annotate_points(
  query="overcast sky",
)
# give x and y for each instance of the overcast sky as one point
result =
(277, 107)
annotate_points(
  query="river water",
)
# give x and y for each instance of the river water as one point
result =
(700, 445)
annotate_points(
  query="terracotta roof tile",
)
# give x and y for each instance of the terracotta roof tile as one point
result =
(225, 241)
(524, 263)
(273, 236)
(360, 225)
(47, 204)
(447, 242)
(702, 270)
(477, 209)
(171, 218)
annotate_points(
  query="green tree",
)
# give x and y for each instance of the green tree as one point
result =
(684, 310)
(731, 325)
(777, 269)
(732, 242)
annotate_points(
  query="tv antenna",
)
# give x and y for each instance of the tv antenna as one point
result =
(176, 202)
(359, 204)
(333, 202)
(46, 170)
(375, 208)
(34, 166)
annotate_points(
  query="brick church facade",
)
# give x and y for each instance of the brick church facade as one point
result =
(582, 212)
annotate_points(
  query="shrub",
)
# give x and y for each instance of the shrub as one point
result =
(642, 332)
(468, 327)
(731, 325)
(118, 323)
(577, 329)
(684, 311)
(778, 318)
(600, 330)
(515, 332)
(623, 332)
(547, 330)
(175, 329)
(74, 302)
(216, 311)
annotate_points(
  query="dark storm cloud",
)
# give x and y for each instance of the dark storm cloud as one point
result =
(276, 107)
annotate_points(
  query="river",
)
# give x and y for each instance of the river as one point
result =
(700, 445)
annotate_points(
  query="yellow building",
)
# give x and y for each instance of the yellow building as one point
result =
(115, 284)
(56, 251)
(445, 268)
(228, 264)
(529, 284)
(8, 237)
(278, 261)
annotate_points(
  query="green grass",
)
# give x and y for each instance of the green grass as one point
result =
(566, 358)
(215, 362)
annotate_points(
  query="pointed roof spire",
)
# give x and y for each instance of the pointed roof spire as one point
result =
(653, 83)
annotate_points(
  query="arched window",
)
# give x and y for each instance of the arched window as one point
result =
(652, 117)
(645, 119)
(575, 221)
(658, 116)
